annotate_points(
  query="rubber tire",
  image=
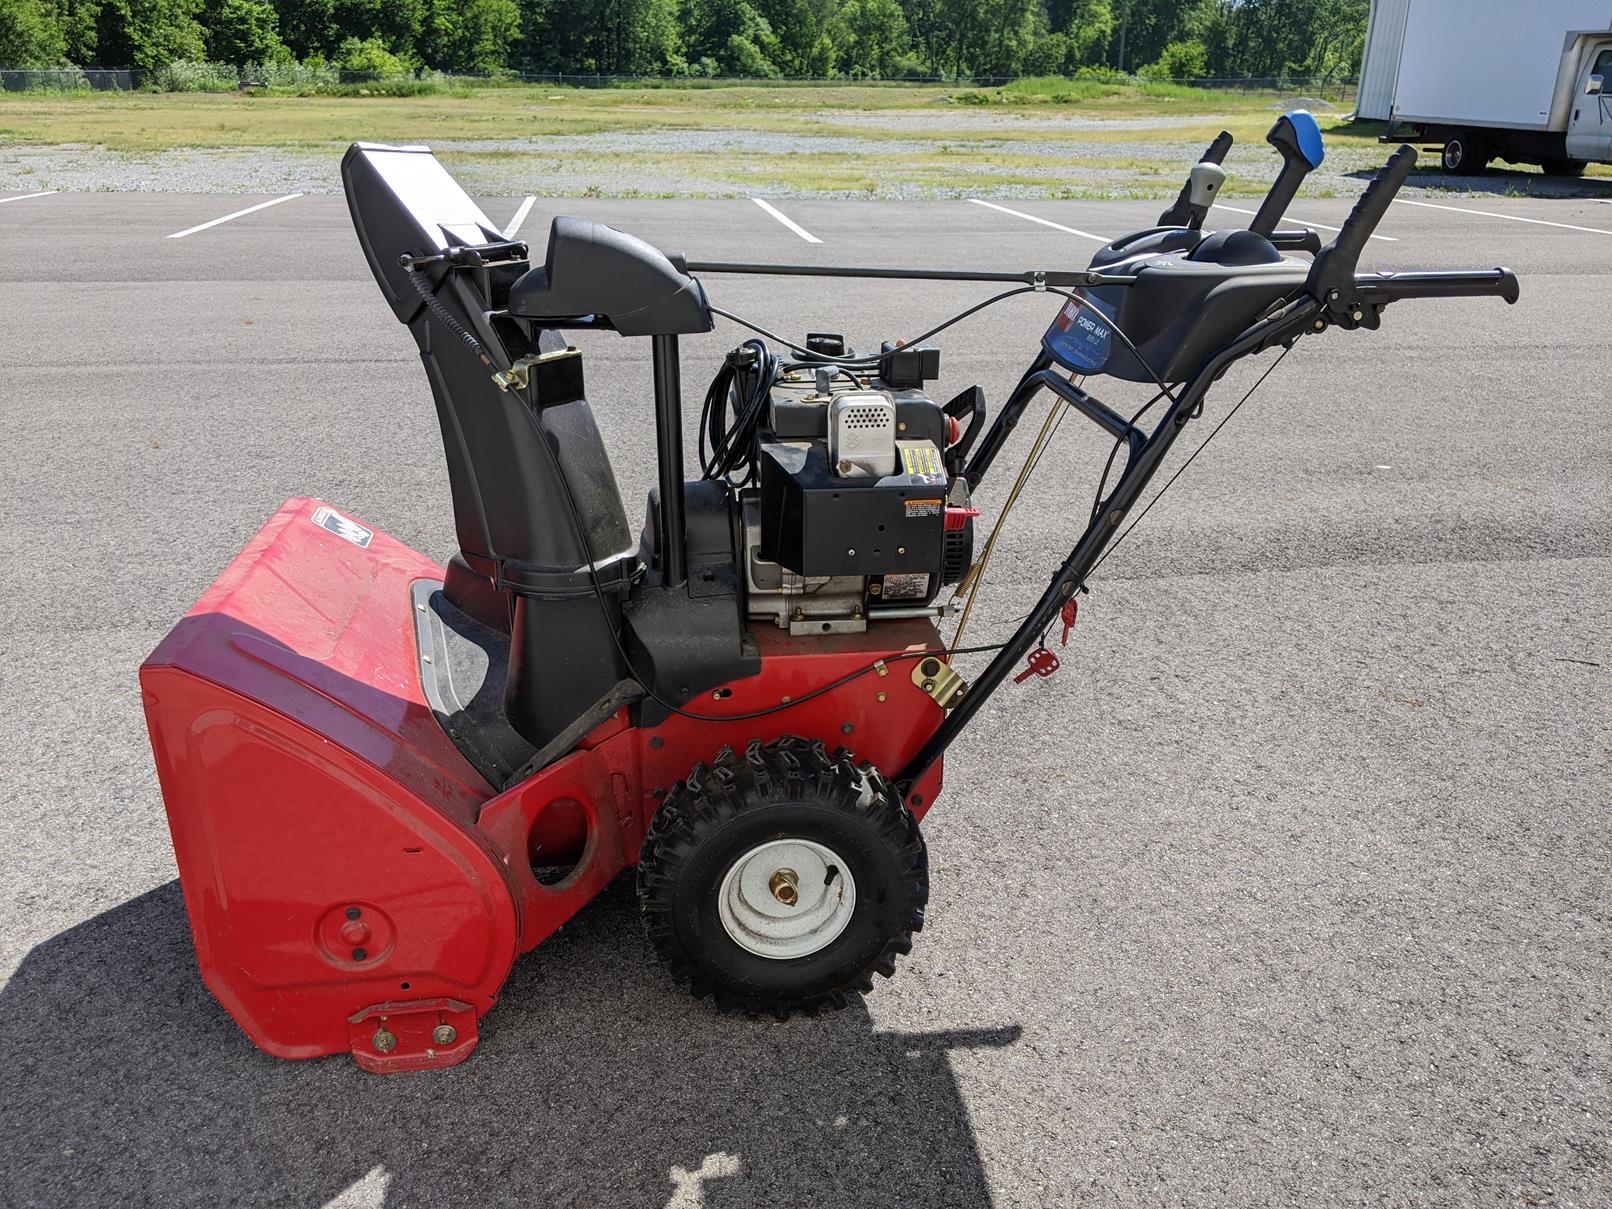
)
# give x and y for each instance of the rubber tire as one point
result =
(1464, 155)
(789, 789)
(1565, 166)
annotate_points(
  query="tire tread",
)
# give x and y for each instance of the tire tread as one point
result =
(734, 782)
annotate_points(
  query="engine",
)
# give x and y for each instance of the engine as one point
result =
(857, 510)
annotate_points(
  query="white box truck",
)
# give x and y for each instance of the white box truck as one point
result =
(1517, 80)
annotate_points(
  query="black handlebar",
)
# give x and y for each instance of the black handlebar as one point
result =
(1382, 288)
(1334, 268)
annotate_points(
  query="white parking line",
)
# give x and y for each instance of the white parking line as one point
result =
(1305, 221)
(250, 209)
(520, 217)
(26, 196)
(786, 220)
(1538, 222)
(1045, 222)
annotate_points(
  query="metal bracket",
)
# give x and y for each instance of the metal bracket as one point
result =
(473, 256)
(421, 1034)
(519, 375)
(939, 680)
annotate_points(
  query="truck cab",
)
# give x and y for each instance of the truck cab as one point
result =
(1589, 126)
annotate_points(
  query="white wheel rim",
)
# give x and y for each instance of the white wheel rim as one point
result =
(754, 900)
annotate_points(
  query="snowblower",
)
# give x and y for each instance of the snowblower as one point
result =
(388, 779)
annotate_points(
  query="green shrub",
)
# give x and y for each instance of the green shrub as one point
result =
(1058, 90)
(1048, 56)
(1102, 73)
(1087, 85)
(907, 67)
(301, 76)
(189, 75)
(371, 57)
(396, 86)
(1179, 61)
(747, 59)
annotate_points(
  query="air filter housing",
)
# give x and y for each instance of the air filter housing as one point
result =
(862, 434)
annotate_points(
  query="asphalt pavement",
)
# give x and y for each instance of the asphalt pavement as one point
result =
(1291, 888)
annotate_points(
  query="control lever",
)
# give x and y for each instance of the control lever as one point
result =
(1180, 214)
(1301, 239)
(1298, 137)
(970, 406)
(1203, 186)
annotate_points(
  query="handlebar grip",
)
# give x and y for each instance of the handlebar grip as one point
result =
(1334, 268)
(1472, 283)
(1373, 203)
(1216, 154)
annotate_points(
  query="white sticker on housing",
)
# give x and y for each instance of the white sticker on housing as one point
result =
(343, 527)
(905, 585)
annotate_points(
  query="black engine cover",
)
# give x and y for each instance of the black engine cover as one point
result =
(815, 523)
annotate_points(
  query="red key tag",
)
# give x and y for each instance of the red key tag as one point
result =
(1042, 663)
(1070, 610)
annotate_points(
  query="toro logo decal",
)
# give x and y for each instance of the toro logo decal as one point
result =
(1079, 337)
(343, 527)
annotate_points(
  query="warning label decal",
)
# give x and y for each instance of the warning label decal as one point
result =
(906, 585)
(920, 459)
(348, 530)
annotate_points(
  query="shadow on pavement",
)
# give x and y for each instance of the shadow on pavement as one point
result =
(1497, 181)
(597, 1082)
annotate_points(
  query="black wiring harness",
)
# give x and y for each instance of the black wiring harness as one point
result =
(746, 377)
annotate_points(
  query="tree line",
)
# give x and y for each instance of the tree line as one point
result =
(758, 38)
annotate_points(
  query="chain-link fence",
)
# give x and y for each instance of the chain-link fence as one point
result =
(222, 77)
(70, 79)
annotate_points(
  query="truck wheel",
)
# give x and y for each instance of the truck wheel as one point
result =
(1465, 154)
(1564, 167)
(782, 879)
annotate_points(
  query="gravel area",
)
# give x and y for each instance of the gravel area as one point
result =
(960, 120)
(736, 162)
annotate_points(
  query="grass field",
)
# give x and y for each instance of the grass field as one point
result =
(141, 121)
(1052, 137)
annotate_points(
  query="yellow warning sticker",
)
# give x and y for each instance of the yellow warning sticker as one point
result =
(922, 460)
(924, 508)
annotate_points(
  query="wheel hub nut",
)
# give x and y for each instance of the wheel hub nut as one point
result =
(784, 887)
